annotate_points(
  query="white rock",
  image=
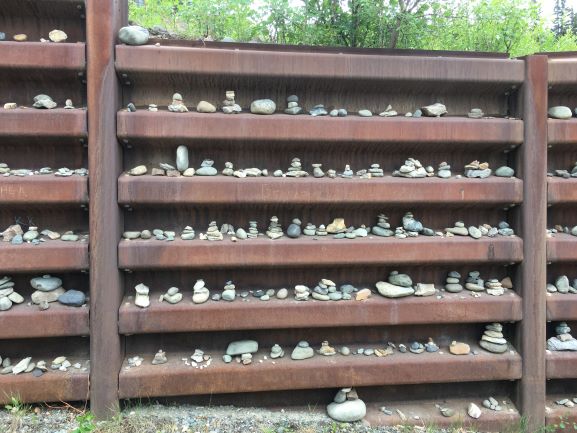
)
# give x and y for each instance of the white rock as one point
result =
(474, 411)
(349, 411)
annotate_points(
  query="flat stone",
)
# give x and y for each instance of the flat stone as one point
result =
(241, 347)
(453, 288)
(39, 297)
(425, 289)
(402, 280)
(138, 170)
(560, 112)
(457, 348)
(389, 290)
(555, 345)
(46, 283)
(492, 347)
(435, 110)
(365, 113)
(206, 171)
(73, 298)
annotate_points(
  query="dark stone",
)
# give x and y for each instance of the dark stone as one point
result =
(37, 372)
(72, 298)
(258, 293)
(131, 107)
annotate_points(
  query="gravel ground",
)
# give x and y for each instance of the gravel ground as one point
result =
(191, 419)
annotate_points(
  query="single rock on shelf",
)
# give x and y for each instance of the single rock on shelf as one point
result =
(564, 341)
(159, 358)
(182, 158)
(205, 107)
(263, 106)
(138, 170)
(21, 37)
(475, 113)
(57, 36)
(72, 298)
(133, 35)
(389, 112)
(229, 106)
(10, 106)
(177, 105)
(365, 113)
(474, 411)
(560, 112)
(435, 110)
(504, 171)
(294, 229)
(458, 348)
(493, 340)
(44, 101)
(142, 299)
(241, 347)
(422, 289)
(347, 406)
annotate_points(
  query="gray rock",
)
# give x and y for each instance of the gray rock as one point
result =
(435, 110)
(453, 288)
(5, 304)
(229, 295)
(293, 230)
(402, 280)
(44, 101)
(391, 291)
(2, 36)
(554, 344)
(242, 346)
(380, 231)
(182, 158)
(349, 411)
(302, 351)
(133, 35)
(562, 284)
(73, 298)
(17, 240)
(318, 110)
(206, 171)
(560, 112)
(46, 283)
(474, 232)
(365, 113)
(241, 233)
(492, 347)
(263, 106)
(505, 172)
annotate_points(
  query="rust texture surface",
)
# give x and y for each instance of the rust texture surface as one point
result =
(562, 71)
(561, 306)
(389, 190)
(26, 321)
(206, 61)
(52, 387)
(39, 55)
(56, 123)
(562, 248)
(141, 254)
(562, 131)
(561, 365)
(561, 190)
(104, 19)
(43, 189)
(47, 256)
(168, 127)
(254, 314)
(174, 378)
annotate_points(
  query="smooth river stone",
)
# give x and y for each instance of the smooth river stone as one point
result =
(504, 172)
(133, 35)
(425, 289)
(389, 290)
(349, 411)
(492, 347)
(72, 298)
(560, 112)
(402, 280)
(554, 344)
(45, 283)
(302, 351)
(182, 158)
(242, 346)
(5, 304)
(263, 106)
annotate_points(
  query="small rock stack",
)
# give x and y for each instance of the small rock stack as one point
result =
(383, 228)
(142, 298)
(324, 289)
(228, 169)
(48, 289)
(478, 169)
(492, 339)
(411, 169)
(310, 229)
(229, 106)
(376, 170)
(252, 230)
(453, 282)
(347, 407)
(274, 229)
(474, 282)
(8, 296)
(302, 351)
(200, 292)
(229, 292)
(293, 105)
(276, 352)
(206, 168)
(296, 170)
(159, 358)
(444, 170)
(318, 171)
(347, 172)
(564, 341)
(177, 105)
(494, 287)
(172, 296)
(294, 229)
(212, 233)
(187, 234)
(302, 293)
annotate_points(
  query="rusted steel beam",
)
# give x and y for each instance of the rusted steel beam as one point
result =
(533, 157)
(54, 386)
(104, 17)
(561, 365)
(556, 414)
(264, 190)
(174, 378)
(562, 71)
(562, 131)
(47, 256)
(561, 306)
(561, 190)
(330, 66)
(25, 321)
(166, 127)
(562, 248)
(162, 317)
(43, 56)
(32, 123)
(43, 189)
(179, 254)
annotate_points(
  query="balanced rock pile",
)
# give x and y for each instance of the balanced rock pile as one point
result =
(302, 351)
(326, 290)
(493, 340)
(296, 170)
(383, 228)
(413, 169)
(48, 289)
(453, 282)
(274, 229)
(397, 286)
(172, 296)
(564, 341)
(177, 105)
(229, 292)
(142, 298)
(200, 292)
(213, 233)
(347, 406)
(229, 106)
(293, 105)
(478, 169)
(492, 403)
(242, 348)
(8, 296)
